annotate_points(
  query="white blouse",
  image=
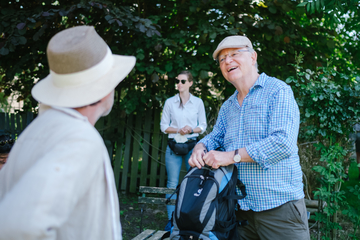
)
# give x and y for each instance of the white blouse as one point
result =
(192, 114)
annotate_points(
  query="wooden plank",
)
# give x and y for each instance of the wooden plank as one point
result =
(313, 203)
(145, 234)
(146, 147)
(2, 120)
(7, 122)
(127, 157)
(162, 181)
(158, 235)
(29, 118)
(162, 190)
(155, 148)
(155, 200)
(12, 125)
(23, 120)
(135, 154)
(312, 210)
(109, 146)
(118, 156)
(18, 124)
(99, 125)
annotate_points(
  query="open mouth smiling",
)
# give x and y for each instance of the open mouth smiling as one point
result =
(231, 69)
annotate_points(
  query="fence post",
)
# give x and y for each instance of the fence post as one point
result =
(146, 147)
(127, 157)
(118, 157)
(2, 120)
(155, 149)
(135, 154)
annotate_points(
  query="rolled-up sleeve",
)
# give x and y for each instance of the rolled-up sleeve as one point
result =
(202, 117)
(215, 139)
(165, 117)
(284, 119)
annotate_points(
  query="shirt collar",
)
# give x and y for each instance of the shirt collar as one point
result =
(259, 82)
(68, 111)
(177, 98)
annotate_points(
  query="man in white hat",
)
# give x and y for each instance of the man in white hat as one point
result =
(58, 181)
(258, 128)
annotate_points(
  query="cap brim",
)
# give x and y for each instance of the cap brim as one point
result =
(47, 93)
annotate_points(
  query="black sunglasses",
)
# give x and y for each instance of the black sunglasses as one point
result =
(183, 81)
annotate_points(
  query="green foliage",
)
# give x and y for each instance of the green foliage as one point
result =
(168, 37)
(352, 212)
(26, 28)
(328, 103)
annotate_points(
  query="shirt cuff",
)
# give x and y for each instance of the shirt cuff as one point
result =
(253, 151)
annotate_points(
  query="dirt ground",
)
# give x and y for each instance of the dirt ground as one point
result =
(154, 216)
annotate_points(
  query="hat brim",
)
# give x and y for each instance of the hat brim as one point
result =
(47, 93)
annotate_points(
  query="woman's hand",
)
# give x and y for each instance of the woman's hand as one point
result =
(185, 130)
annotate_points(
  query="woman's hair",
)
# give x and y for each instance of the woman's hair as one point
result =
(190, 79)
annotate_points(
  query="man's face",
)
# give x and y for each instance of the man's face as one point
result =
(236, 63)
(108, 103)
(3, 158)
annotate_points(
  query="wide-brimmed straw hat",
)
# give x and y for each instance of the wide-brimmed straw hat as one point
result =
(232, 42)
(83, 69)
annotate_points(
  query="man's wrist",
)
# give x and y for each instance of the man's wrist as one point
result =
(203, 145)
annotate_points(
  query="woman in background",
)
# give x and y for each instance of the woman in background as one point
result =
(183, 118)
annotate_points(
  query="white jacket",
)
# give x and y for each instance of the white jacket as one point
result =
(58, 182)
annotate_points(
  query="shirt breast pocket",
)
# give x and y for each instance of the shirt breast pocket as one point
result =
(256, 121)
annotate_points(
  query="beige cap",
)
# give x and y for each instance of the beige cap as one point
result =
(232, 42)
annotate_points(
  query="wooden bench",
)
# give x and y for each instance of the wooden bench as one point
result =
(149, 234)
(312, 206)
(147, 197)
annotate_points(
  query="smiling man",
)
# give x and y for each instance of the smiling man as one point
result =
(258, 128)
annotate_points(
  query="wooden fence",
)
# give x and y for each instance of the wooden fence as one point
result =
(138, 153)
(15, 123)
(137, 149)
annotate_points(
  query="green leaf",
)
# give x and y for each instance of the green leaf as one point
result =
(4, 51)
(272, 9)
(140, 56)
(168, 67)
(302, 4)
(108, 17)
(22, 40)
(192, 9)
(308, 7)
(213, 35)
(313, 7)
(318, 7)
(20, 25)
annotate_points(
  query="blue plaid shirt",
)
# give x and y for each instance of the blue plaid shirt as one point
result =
(267, 125)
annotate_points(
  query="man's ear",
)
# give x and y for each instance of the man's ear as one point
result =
(254, 57)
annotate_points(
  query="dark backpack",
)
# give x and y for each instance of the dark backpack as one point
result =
(205, 204)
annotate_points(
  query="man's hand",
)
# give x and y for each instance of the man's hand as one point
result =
(196, 158)
(215, 159)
